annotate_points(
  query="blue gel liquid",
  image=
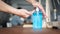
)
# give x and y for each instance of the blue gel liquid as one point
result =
(37, 20)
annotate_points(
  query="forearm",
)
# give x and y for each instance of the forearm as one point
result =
(6, 8)
(31, 1)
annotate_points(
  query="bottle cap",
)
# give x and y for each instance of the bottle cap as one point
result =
(37, 9)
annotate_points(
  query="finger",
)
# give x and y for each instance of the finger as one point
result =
(41, 8)
(28, 13)
(25, 16)
(45, 16)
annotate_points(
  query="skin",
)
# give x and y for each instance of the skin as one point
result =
(21, 12)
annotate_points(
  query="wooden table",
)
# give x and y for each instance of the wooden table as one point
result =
(19, 30)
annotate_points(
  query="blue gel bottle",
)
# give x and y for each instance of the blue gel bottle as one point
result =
(37, 19)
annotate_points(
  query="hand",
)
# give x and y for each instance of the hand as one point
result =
(36, 4)
(23, 13)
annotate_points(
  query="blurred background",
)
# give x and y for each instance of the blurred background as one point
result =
(52, 8)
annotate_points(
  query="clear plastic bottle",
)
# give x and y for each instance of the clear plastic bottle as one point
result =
(37, 17)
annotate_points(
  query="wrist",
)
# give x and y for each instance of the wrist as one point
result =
(12, 10)
(33, 3)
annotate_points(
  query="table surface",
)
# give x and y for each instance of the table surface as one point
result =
(20, 30)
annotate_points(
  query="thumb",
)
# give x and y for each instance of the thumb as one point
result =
(32, 11)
